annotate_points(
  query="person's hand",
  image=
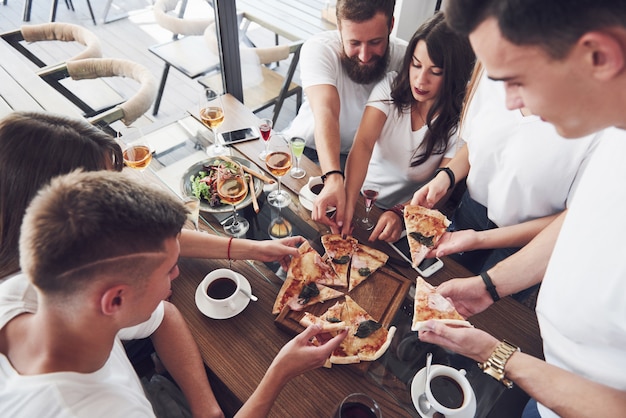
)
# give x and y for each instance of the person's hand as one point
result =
(300, 355)
(280, 250)
(431, 193)
(470, 342)
(388, 228)
(333, 194)
(455, 242)
(468, 295)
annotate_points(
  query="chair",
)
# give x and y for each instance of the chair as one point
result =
(187, 51)
(92, 68)
(262, 86)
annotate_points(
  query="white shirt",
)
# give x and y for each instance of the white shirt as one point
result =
(390, 165)
(521, 169)
(112, 391)
(320, 63)
(581, 309)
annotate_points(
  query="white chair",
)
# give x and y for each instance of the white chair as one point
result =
(92, 68)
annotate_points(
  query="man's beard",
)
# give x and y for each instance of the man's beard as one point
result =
(365, 74)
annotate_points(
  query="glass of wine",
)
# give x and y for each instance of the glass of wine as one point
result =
(137, 153)
(233, 188)
(212, 115)
(370, 193)
(278, 162)
(265, 127)
(297, 148)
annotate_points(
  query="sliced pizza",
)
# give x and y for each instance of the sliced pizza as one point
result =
(330, 321)
(365, 261)
(424, 228)
(300, 288)
(431, 305)
(313, 268)
(339, 251)
(367, 340)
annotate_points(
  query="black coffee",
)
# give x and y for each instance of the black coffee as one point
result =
(317, 188)
(356, 410)
(447, 391)
(221, 288)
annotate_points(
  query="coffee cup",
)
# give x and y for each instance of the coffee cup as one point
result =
(313, 189)
(448, 390)
(358, 405)
(220, 289)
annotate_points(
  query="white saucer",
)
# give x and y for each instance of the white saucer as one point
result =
(223, 312)
(417, 388)
(304, 197)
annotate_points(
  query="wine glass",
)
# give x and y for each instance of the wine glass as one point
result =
(279, 227)
(192, 204)
(297, 148)
(370, 193)
(278, 162)
(233, 188)
(212, 115)
(265, 127)
(137, 153)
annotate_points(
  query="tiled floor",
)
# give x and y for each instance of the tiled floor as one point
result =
(130, 38)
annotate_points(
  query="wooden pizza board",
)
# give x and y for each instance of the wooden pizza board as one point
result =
(381, 295)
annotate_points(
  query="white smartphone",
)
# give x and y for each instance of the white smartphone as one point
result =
(427, 268)
(240, 135)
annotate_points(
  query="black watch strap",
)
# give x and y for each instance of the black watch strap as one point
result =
(325, 175)
(491, 288)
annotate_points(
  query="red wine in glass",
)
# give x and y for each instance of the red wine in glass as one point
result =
(265, 127)
(370, 197)
(266, 130)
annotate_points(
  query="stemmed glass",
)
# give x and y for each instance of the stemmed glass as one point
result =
(192, 204)
(278, 162)
(233, 188)
(137, 153)
(297, 148)
(370, 193)
(212, 115)
(265, 127)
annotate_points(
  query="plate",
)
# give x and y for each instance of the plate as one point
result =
(417, 388)
(223, 312)
(185, 185)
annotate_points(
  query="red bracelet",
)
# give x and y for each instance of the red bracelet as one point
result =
(228, 249)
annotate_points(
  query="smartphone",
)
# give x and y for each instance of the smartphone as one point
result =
(240, 135)
(427, 267)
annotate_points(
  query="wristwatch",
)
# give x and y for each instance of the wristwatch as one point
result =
(494, 366)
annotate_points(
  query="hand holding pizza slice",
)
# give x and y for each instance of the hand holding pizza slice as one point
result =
(431, 305)
(424, 228)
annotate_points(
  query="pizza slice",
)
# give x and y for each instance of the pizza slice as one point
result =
(339, 251)
(367, 340)
(424, 228)
(431, 305)
(330, 321)
(365, 261)
(313, 268)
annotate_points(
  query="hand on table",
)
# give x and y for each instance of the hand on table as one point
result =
(333, 194)
(468, 295)
(388, 228)
(470, 342)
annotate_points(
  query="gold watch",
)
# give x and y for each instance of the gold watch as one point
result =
(494, 366)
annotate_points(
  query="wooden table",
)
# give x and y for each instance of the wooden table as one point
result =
(237, 351)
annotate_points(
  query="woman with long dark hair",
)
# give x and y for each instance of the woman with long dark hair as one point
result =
(408, 129)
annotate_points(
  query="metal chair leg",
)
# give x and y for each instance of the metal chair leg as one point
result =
(157, 102)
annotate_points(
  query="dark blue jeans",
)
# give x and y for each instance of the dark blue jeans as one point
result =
(472, 215)
(531, 410)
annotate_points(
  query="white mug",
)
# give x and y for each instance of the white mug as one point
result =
(449, 380)
(221, 289)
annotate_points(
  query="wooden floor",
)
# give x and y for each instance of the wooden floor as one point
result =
(129, 38)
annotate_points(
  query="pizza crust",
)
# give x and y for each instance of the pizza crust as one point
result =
(418, 325)
(429, 305)
(381, 350)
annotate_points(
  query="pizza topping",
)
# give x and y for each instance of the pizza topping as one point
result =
(426, 241)
(344, 259)
(366, 328)
(309, 291)
(364, 271)
(333, 320)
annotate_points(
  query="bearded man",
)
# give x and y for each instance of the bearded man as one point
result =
(338, 70)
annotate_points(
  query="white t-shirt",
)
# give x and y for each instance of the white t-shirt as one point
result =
(320, 63)
(581, 309)
(521, 168)
(112, 391)
(390, 166)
